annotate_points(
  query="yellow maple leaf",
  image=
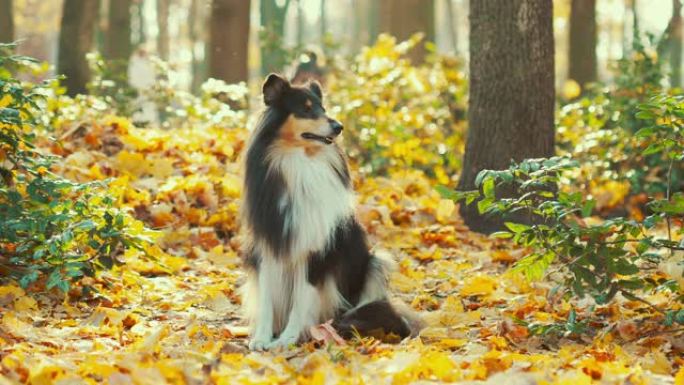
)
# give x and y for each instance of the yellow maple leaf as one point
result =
(131, 163)
(478, 285)
(25, 303)
(577, 378)
(452, 311)
(150, 342)
(657, 362)
(17, 327)
(13, 291)
(679, 377)
(161, 167)
(451, 343)
(45, 374)
(444, 210)
(432, 365)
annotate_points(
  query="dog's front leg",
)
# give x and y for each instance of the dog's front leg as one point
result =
(263, 328)
(304, 312)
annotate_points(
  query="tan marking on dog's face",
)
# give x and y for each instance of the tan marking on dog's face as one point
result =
(293, 128)
(288, 132)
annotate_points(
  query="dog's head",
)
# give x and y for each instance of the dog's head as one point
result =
(307, 123)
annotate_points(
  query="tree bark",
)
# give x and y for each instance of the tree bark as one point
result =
(451, 22)
(163, 25)
(140, 32)
(6, 21)
(300, 23)
(196, 24)
(102, 25)
(403, 18)
(118, 45)
(358, 12)
(511, 112)
(324, 20)
(75, 40)
(373, 20)
(634, 6)
(676, 41)
(271, 37)
(228, 40)
(582, 54)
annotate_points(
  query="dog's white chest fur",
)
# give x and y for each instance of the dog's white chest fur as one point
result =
(316, 200)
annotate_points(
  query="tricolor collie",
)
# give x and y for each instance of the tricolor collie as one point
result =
(307, 256)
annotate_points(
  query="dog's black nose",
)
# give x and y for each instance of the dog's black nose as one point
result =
(336, 126)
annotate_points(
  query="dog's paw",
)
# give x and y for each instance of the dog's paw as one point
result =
(283, 342)
(259, 344)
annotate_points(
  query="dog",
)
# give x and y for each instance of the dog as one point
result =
(306, 254)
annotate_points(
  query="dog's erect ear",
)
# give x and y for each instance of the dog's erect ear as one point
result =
(315, 87)
(273, 88)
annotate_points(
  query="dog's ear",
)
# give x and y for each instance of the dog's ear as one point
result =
(315, 87)
(273, 88)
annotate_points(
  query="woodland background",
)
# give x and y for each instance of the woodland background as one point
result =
(520, 159)
(347, 25)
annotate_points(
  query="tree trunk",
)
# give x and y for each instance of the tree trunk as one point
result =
(163, 25)
(140, 35)
(373, 20)
(101, 26)
(196, 23)
(300, 23)
(634, 6)
(358, 12)
(6, 21)
(511, 113)
(271, 38)
(403, 18)
(451, 22)
(228, 40)
(582, 54)
(75, 40)
(118, 44)
(324, 20)
(676, 41)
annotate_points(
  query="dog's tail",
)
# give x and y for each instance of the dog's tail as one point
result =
(376, 315)
(389, 322)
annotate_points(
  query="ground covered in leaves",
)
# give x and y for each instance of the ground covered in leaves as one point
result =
(172, 316)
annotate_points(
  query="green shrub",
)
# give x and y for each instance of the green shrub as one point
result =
(49, 226)
(598, 131)
(662, 138)
(109, 82)
(594, 255)
(399, 115)
(603, 258)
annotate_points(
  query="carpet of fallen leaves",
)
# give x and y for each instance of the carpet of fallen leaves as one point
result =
(174, 318)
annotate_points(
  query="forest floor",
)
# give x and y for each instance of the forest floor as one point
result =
(176, 319)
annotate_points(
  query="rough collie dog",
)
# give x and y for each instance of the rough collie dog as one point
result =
(307, 257)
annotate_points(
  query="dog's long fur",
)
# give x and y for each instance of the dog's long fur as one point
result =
(307, 256)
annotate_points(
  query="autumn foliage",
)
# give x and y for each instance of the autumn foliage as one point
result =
(119, 241)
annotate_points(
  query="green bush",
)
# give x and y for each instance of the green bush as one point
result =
(50, 227)
(603, 258)
(598, 131)
(109, 82)
(399, 115)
